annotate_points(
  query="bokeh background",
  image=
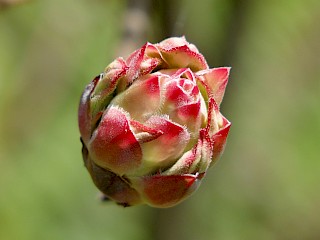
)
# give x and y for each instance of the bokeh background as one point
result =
(266, 186)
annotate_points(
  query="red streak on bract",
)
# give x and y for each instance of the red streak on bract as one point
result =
(152, 86)
(189, 111)
(171, 131)
(181, 92)
(212, 106)
(149, 65)
(134, 62)
(175, 94)
(163, 191)
(113, 145)
(113, 75)
(184, 57)
(216, 79)
(220, 74)
(220, 138)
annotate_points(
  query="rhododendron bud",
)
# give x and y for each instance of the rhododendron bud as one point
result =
(151, 126)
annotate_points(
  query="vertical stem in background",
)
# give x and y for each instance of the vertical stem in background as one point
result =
(149, 20)
(234, 29)
(166, 20)
(136, 26)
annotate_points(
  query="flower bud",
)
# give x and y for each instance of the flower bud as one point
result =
(151, 126)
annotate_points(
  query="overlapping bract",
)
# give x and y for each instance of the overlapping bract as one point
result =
(151, 126)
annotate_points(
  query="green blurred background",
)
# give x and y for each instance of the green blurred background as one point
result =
(266, 185)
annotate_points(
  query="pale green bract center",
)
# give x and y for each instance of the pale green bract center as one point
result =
(154, 100)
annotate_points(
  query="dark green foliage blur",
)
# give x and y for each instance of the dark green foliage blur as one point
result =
(266, 186)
